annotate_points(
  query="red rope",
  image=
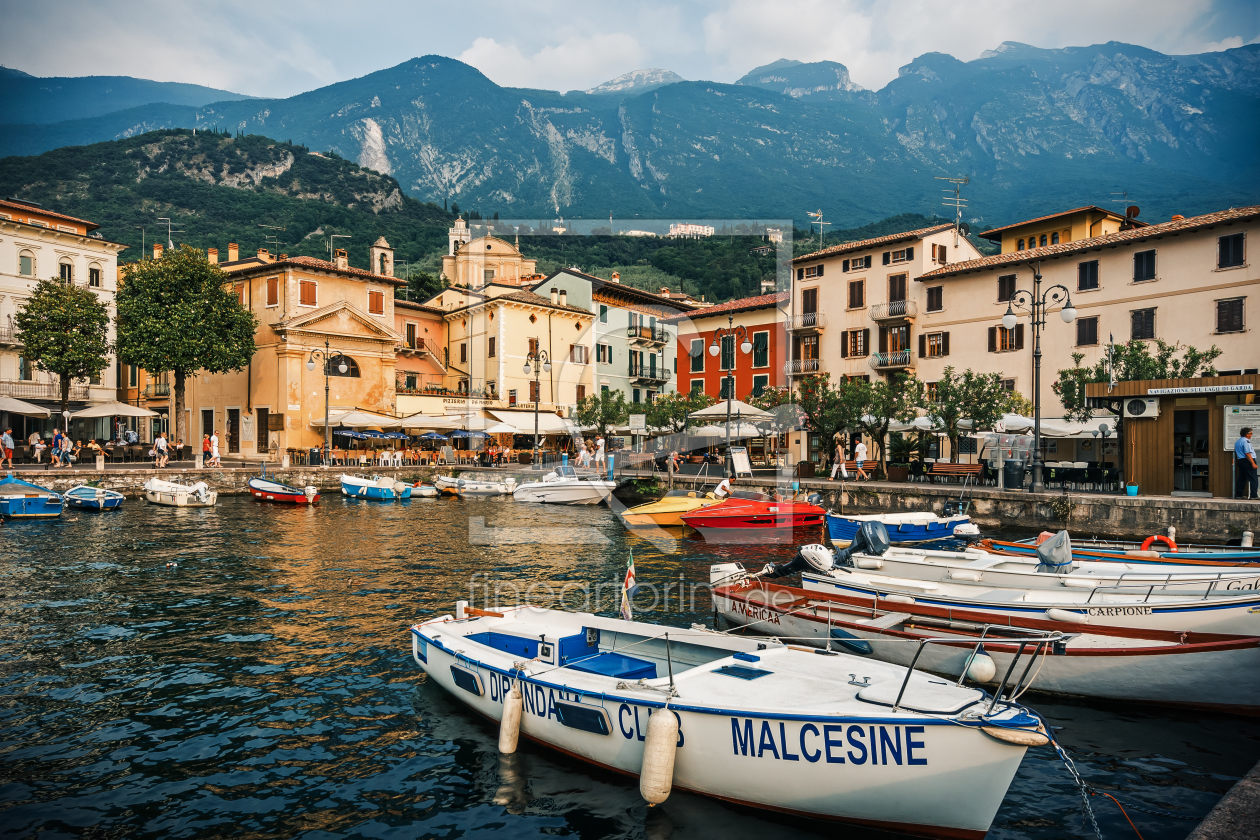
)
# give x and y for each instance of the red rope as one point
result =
(1126, 813)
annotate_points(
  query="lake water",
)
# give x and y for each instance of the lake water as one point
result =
(264, 687)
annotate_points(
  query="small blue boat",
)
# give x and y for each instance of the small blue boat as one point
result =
(382, 488)
(23, 500)
(93, 497)
(902, 527)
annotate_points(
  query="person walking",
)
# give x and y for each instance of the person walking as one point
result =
(37, 444)
(859, 455)
(54, 449)
(838, 463)
(6, 448)
(214, 449)
(161, 454)
(205, 450)
(1246, 477)
(600, 460)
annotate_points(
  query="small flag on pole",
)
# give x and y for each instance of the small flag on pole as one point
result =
(628, 587)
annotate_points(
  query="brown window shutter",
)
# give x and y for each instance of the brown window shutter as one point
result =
(910, 253)
(844, 345)
(1019, 336)
(922, 346)
(844, 266)
(933, 252)
(866, 342)
(942, 253)
(887, 257)
(944, 340)
(993, 339)
(883, 339)
(820, 270)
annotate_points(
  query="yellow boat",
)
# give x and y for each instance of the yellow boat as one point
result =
(668, 511)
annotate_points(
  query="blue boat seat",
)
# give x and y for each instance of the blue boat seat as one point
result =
(616, 665)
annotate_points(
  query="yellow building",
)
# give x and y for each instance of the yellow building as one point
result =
(486, 259)
(1060, 228)
(303, 306)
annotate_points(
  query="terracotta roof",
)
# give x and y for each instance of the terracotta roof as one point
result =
(40, 211)
(863, 244)
(523, 296)
(731, 306)
(418, 307)
(1113, 213)
(312, 262)
(633, 291)
(1193, 223)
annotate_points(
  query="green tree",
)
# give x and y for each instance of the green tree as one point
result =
(65, 330)
(877, 404)
(603, 410)
(669, 411)
(1130, 361)
(829, 409)
(178, 314)
(420, 287)
(978, 397)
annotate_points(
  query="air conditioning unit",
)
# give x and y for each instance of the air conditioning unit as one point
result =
(1141, 407)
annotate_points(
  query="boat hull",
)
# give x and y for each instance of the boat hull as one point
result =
(1225, 557)
(371, 489)
(664, 513)
(178, 499)
(1134, 668)
(31, 507)
(272, 491)
(958, 787)
(736, 520)
(564, 493)
(93, 498)
(845, 528)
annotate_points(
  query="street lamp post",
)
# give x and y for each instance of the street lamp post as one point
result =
(537, 363)
(342, 367)
(1036, 305)
(720, 335)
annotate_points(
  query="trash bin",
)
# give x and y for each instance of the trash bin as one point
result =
(312, 458)
(805, 469)
(1013, 475)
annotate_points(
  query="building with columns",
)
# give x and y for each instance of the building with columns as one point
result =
(38, 243)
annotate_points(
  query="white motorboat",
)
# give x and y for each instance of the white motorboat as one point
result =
(451, 486)
(427, 491)
(564, 486)
(1182, 601)
(379, 487)
(745, 720)
(177, 494)
(1212, 671)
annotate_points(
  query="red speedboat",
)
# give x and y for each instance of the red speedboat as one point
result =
(746, 513)
(274, 491)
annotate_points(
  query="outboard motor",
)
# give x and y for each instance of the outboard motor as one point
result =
(953, 507)
(814, 499)
(809, 558)
(1055, 555)
(871, 538)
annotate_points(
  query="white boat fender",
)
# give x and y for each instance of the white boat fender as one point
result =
(1248, 539)
(899, 599)
(869, 563)
(399, 487)
(982, 668)
(1133, 552)
(510, 724)
(1019, 737)
(963, 574)
(1067, 615)
(656, 778)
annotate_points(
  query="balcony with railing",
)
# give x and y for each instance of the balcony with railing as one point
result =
(9, 337)
(889, 361)
(647, 373)
(807, 322)
(803, 367)
(24, 389)
(648, 334)
(157, 390)
(895, 310)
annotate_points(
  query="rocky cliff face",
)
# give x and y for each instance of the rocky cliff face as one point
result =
(1034, 129)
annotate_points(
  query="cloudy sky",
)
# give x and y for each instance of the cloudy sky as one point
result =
(279, 49)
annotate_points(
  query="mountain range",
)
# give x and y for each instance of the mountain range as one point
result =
(1035, 130)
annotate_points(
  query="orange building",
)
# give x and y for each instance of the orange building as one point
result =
(762, 318)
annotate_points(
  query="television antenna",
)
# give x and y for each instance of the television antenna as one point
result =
(817, 216)
(170, 242)
(271, 238)
(332, 242)
(956, 201)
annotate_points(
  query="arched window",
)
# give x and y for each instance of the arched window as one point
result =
(1043, 240)
(94, 275)
(26, 264)
(352, 368)
(1020, 245)
(67, 270)
(382, 271)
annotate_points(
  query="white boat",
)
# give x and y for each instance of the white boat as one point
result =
(564, 486)
(452, 486)
(1219, 672)
(177, 494)
(428, 491)
(754, 722)
(379, 487)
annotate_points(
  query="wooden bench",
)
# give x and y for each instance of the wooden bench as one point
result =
(945, 470)
(867, 466)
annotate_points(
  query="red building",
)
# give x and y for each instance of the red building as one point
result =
(762, 318)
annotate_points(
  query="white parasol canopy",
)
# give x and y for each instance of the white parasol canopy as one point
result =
(503, 429)
(432, 422)
(738, 408)
(16, 406)
(356, 419)
(114, 409)
(718, 430)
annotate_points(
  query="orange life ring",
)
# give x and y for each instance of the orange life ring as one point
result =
(1172, 546)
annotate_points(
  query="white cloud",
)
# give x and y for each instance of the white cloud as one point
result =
(578, 62)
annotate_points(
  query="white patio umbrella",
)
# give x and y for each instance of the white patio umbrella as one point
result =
(16, 406)
(718, 430)
(503, 429)
(430, 422)
(114, 409)
(356, 419)
(738, 408)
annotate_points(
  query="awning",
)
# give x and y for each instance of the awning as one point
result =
(16, 406)
(114, 409)
(431, 421)
(356, 419)
(549, 423)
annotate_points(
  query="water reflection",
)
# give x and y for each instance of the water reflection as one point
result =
(264, 685)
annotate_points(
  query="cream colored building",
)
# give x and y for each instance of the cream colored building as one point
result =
(1060, 229)
(486, 259)
(854, 306)
(1188, 281)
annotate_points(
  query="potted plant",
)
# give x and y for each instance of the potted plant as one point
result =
(898, 471)
(901, 449)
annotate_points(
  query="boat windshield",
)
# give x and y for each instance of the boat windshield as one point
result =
(566, 472)
(750, 496)
(680, 494)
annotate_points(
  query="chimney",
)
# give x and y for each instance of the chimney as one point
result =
(1178, 217)
(234, 253)
(283, 257)
(616, 278)
(555, 296)
(340, 260)
(564, 297)
(664, 290)
(264, 255)
(157, 251)
(212, 254)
